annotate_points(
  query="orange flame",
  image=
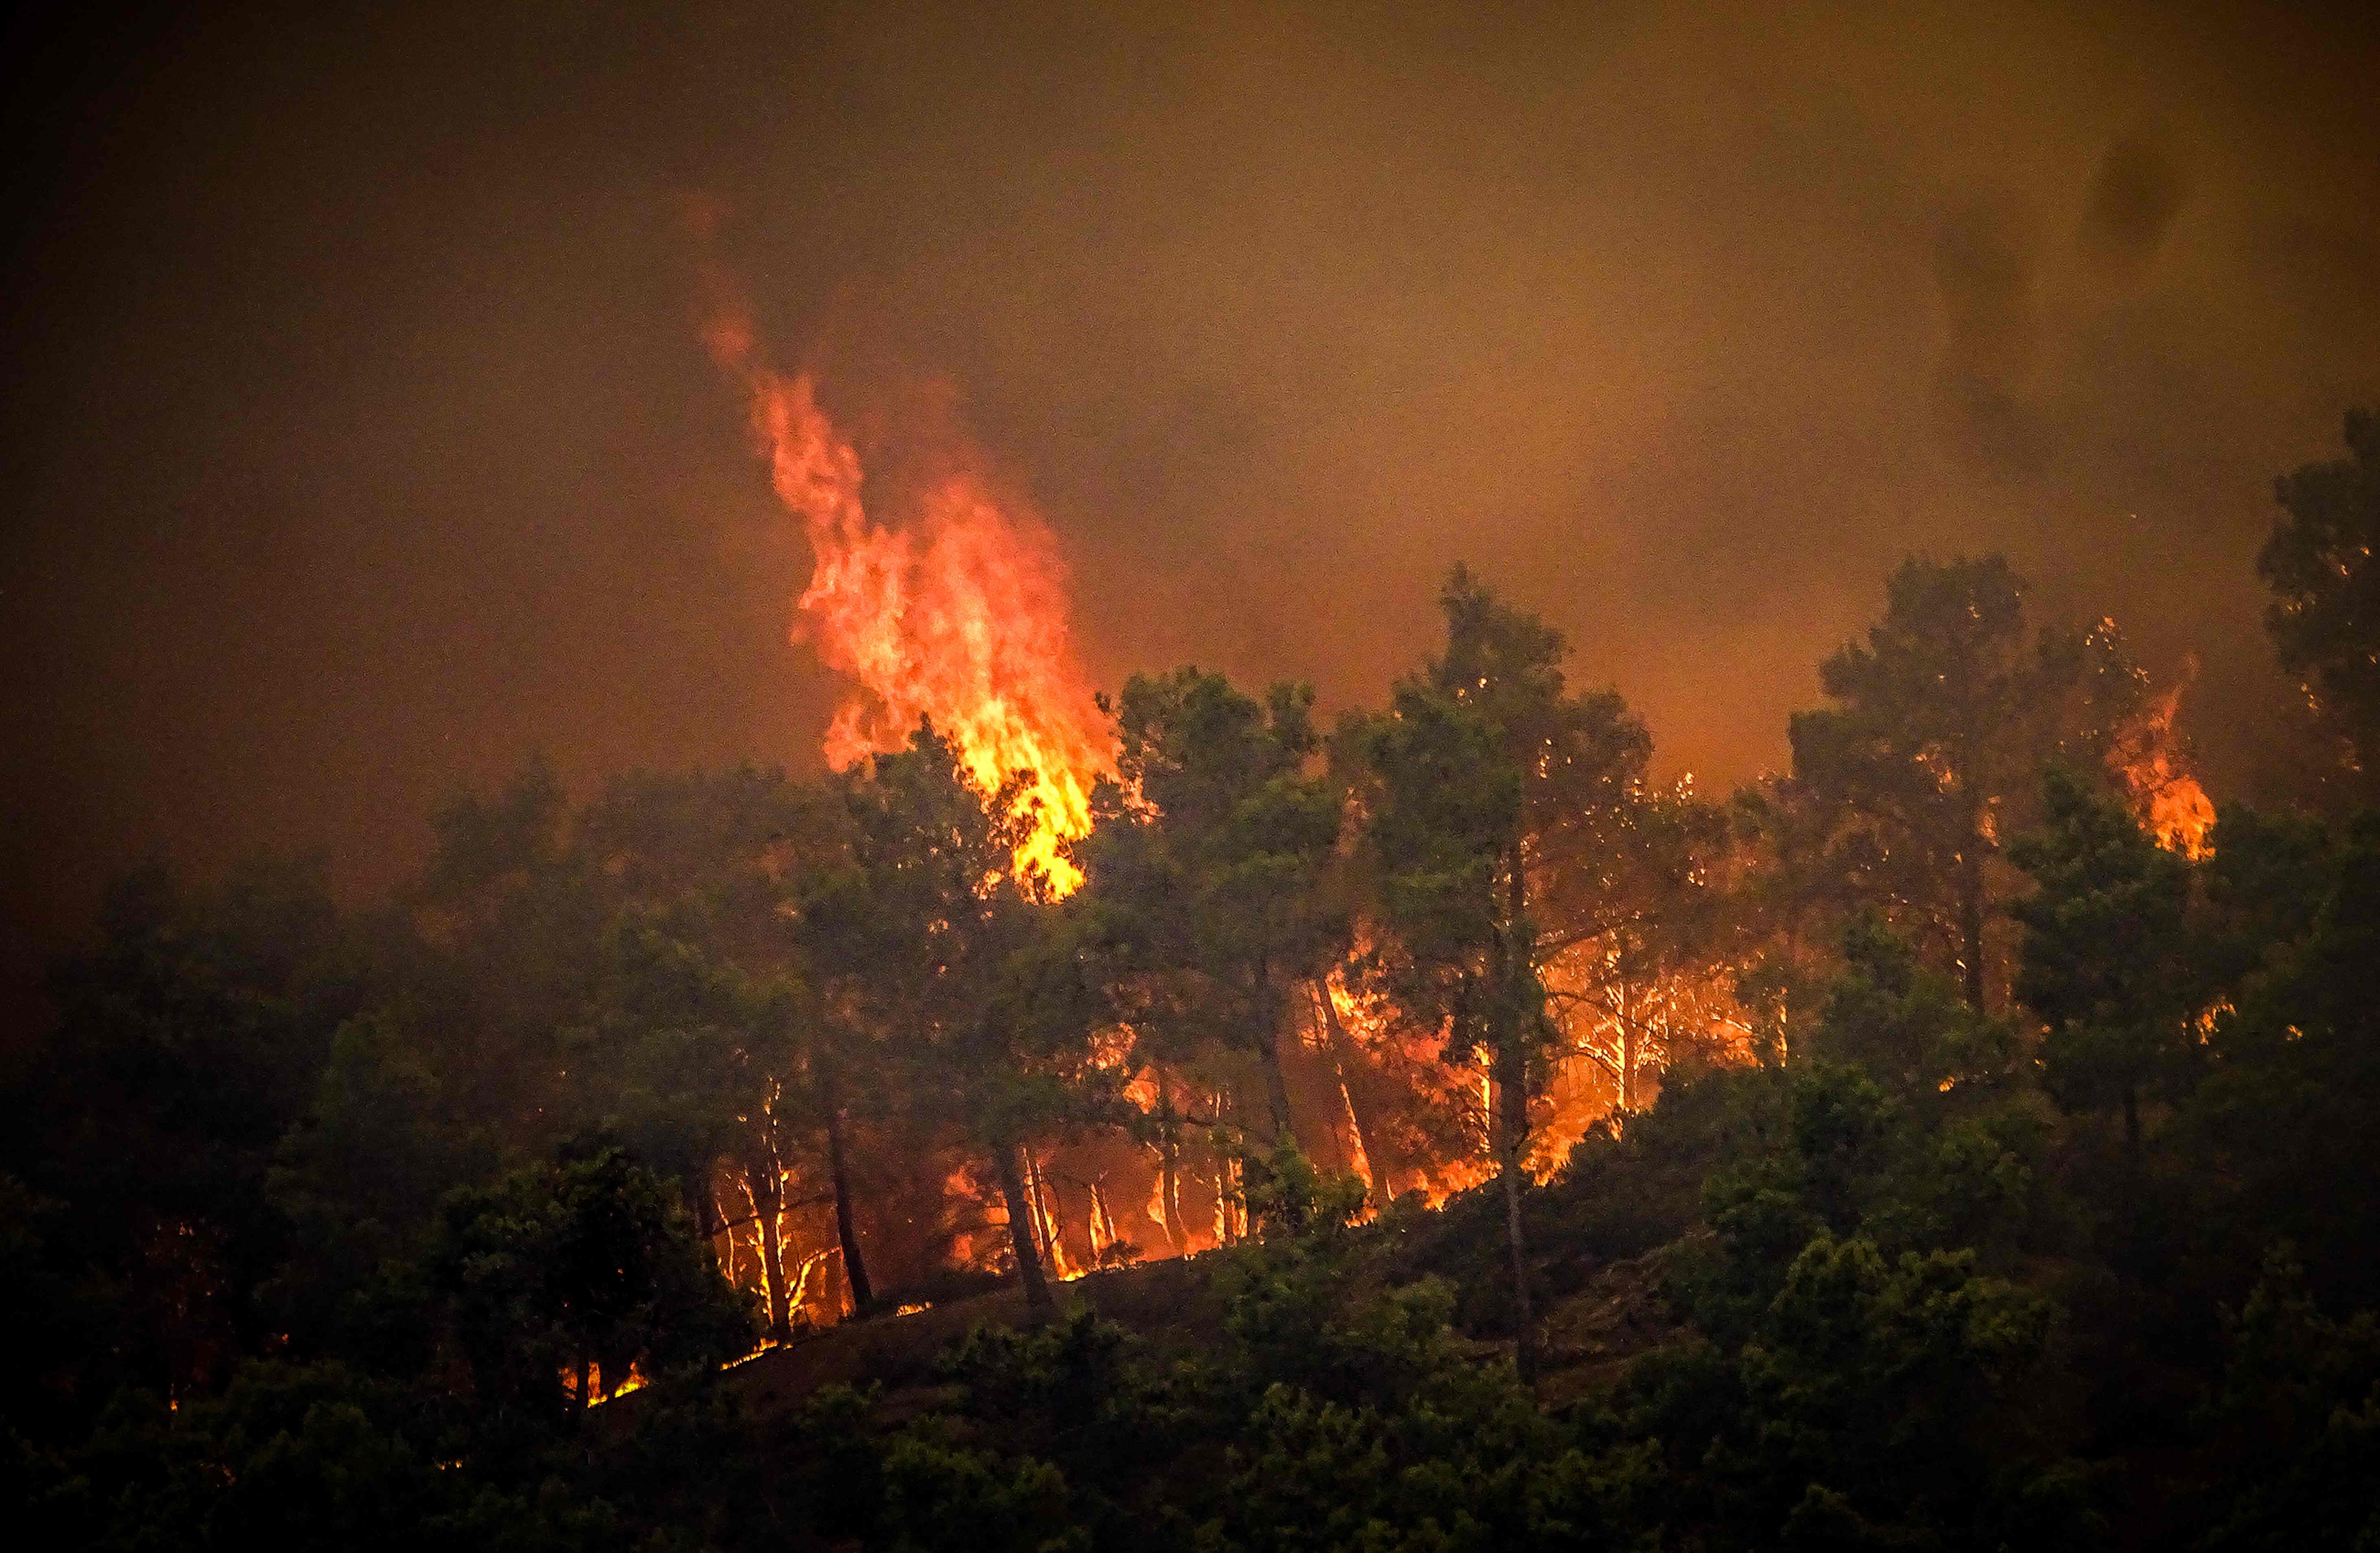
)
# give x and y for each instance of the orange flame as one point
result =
(2172, 807)
(959, 613)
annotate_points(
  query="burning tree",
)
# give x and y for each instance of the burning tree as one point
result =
(956, 614)
(1943, 722)
(959, 957)
(1209, 877)
(1642, 948)
(1485, 778)
(711, 1037)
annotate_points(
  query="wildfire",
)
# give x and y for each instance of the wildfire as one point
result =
(948, 601)
(957, 611)
(2171, 804)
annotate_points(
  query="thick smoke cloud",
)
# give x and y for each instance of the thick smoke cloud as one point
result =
(363, 442)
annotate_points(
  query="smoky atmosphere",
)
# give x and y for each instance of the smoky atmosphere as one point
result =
(1224, 777)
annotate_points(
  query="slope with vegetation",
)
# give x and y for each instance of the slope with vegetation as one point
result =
(2019, 1191)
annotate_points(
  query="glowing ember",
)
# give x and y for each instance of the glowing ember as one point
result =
(957, 611)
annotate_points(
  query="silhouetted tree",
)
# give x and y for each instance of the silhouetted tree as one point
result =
(587, 1268)
(2109, 959)
(1207, 875)
(2281, 1121)
(709, 1036)
(2325, 612)
(1904, 1023)
(510, 923)
(959, 953)
(1483, 771)
(190, 1041)
(1944, 720)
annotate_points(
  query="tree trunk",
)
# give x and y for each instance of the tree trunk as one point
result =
(1038, 1305)
(735, 1265)
(1349, 1063)
(1039, 1191)
(1511, 1074)
(1271, 1008)
(705, 1207)
(768, 1196)
(1168, 1165)
(1226, 1168)
(1102, 1215)
(2132, 1122)
(1627, 1050)
(1513, 1102)
(1971, 921)
(854, 1270)
(1277, 1091)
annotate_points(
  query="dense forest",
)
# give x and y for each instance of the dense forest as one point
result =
(1963, 1141)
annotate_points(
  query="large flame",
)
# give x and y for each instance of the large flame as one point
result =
(2147, 756)
(956, 611)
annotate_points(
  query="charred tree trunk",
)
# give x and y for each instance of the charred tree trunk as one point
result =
(1270, 1008)
(1168, 1165)
(1226, 1163)
(1045, 1219)
(854, 1270)
(1513, 1105)
(1359, 1157)
(1038, 1305)
(1101, 1216)
(1348, 1063)
(768, 1196)
(1275, 1088)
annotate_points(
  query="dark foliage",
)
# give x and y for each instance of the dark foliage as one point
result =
(326, 1230)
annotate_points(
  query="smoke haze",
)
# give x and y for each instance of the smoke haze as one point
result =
(363, 442)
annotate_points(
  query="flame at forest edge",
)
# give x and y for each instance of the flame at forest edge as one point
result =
(958, 612)
(2167, 799)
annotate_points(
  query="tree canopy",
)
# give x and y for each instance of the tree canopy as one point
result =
(1568, 1159)
(2325, 612)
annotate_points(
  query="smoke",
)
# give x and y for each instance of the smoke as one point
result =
(1987, 280)
(955, 613)
(2135, 195)
(363, 442)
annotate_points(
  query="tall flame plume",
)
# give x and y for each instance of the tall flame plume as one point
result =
(2147, 757)
(956, 611)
